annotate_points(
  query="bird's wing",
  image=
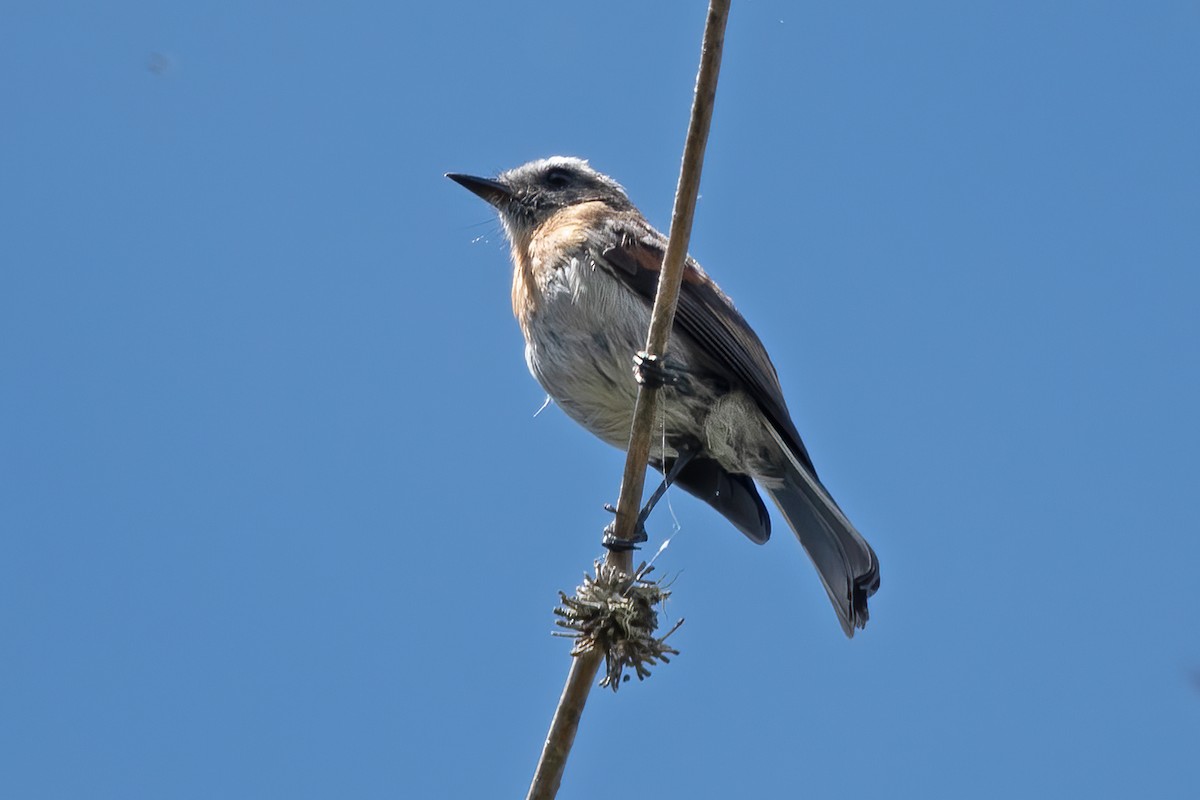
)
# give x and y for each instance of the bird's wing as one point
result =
(633, 252)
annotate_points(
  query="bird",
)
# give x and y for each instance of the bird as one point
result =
(586, 265)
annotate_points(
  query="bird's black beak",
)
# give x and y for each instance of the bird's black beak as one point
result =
(494, 192)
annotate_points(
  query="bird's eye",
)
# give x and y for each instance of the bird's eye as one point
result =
(558, 178)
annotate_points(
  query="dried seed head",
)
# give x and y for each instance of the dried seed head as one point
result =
(615, 611)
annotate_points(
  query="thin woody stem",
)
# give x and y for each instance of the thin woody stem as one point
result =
(561, 736)
(662, 317)
(548, 776)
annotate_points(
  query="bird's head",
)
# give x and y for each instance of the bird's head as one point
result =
(528, 195)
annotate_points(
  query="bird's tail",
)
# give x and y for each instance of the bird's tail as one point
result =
(846, 563)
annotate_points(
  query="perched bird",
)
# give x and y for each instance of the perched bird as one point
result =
(586, 267)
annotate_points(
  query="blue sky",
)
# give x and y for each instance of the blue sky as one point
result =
(277, 518)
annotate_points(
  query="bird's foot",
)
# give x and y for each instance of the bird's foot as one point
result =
(614, 543)
(653, 371)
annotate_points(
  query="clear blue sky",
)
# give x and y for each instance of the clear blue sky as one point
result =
(277, 519)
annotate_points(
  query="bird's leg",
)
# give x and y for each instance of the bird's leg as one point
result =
(654, 371)
(610, 539)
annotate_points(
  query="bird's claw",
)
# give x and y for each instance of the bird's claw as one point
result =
(616, 544)
(651, 371)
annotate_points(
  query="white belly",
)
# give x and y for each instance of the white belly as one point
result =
(580, 347)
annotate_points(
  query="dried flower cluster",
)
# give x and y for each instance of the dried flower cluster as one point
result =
(614, 611)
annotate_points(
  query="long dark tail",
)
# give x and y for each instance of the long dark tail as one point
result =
(846, 563)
